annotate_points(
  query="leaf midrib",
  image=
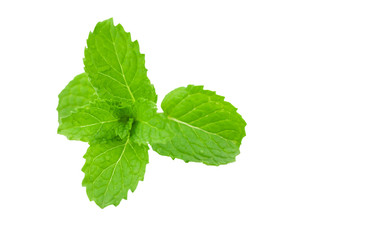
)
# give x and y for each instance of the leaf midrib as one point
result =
(90, 125)
(112, 174)
(121, 68)
(197, 128)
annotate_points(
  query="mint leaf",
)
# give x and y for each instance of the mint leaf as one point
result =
(115, 65)
(95, 122)
(113, 168)
(207, 128)
(78, 93)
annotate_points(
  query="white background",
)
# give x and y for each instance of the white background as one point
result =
(303, 74)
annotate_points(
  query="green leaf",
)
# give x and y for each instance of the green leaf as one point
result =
(150, 126)
(113, 168)
(115, 65)
(78, 93)
(207, 128)
(95, 122)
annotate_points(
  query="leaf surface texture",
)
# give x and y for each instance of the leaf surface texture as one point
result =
(78, 93)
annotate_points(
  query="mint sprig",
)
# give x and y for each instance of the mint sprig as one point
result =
(112, 106)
